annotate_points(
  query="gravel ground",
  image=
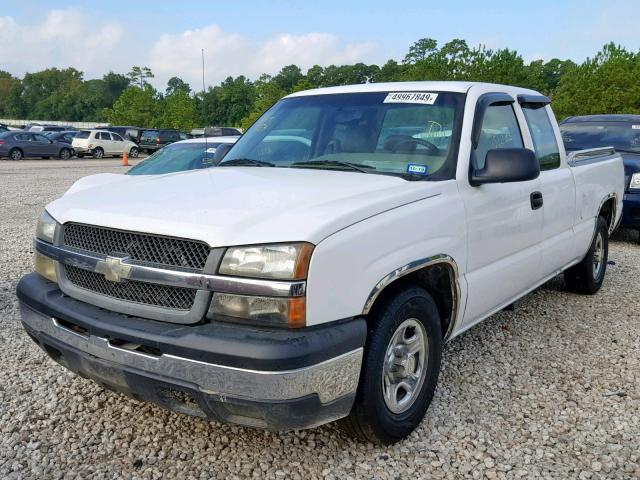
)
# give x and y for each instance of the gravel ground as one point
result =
(551, 390)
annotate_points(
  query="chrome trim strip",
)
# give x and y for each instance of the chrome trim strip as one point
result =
(413, 267)
(330, 380)
(176, 278)
(614, 222)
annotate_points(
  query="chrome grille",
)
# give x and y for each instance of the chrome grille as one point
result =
(141, 248)
(130, 291)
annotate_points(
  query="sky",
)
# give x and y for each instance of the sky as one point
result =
(251, 37)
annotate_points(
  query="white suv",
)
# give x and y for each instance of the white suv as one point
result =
(99, 143)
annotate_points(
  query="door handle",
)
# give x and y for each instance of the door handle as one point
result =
(536, 200)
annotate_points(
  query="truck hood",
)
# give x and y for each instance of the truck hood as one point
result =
(240, 205)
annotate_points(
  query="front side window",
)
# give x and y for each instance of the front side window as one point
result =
(413, 135)
(117, 137)
(544, 138)
(40, 138)
(499, 130)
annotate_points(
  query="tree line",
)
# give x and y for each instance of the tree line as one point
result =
(608, 82)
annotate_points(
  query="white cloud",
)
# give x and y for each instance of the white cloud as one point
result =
(76, 38)
(64, 38)
(233, 54)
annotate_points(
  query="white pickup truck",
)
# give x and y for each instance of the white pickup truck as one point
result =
(316, 272)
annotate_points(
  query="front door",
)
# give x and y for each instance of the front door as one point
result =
(504, 230)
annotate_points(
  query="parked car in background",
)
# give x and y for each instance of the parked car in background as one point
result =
(49, 128)
(216, 132)
(152, 140)
(127, 132)
(66, 136)
(20, 144)
(621, 132)
(99, 143)
(189, 154)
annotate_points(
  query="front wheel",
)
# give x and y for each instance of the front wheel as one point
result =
(587, 276)
(98, 153)
(65, 154)
(133, 153)
(400, 369)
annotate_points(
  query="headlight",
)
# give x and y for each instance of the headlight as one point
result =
(274, 311)
(46, 227)
(634, 184)
(278, 261)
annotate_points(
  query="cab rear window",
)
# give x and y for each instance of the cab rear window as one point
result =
(83, 134)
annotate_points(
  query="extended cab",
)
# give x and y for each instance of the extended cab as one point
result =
(317, 272)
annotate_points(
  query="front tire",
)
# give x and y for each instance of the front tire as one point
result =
(400, 368)
(97, 153)
(133, 153)
(65, 154)
(587, 276)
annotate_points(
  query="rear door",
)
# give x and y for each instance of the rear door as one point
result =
(556, 185)
(504, 230)
(23, 142)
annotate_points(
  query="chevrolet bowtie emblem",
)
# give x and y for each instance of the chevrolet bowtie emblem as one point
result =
(113, 269)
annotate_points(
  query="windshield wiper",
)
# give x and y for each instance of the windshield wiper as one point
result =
(245, 162)
(357, 167)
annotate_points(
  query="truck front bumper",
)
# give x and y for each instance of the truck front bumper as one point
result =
(272, 379)
(631, 211)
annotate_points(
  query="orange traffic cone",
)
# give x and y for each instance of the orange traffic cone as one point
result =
(125, 158)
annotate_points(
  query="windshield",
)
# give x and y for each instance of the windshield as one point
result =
(408, 134)
(621, 136)
(176, 158)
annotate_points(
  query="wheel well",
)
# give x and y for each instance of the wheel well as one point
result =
(17, 148)
(608, 212)
(438, 280)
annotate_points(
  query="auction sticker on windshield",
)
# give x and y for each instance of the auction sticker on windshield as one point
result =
(424, 98)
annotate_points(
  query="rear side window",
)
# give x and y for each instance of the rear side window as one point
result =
(83, 134)
(544, 138)
(149, 135)
(499, 130)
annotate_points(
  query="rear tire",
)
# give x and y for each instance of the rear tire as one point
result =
(97, 153)
(396, 385)
(16, 154)
(587, 276)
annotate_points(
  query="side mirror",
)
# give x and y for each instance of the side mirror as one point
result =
(221, 152)
(507, 165)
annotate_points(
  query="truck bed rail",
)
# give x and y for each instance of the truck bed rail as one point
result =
(590, 155)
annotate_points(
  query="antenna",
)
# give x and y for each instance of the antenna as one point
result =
(204, 131)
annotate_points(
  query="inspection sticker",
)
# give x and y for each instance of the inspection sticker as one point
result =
(418, 169)
(635, 127)
(424, 98)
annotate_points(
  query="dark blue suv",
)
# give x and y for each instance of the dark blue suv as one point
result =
(621, 132)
